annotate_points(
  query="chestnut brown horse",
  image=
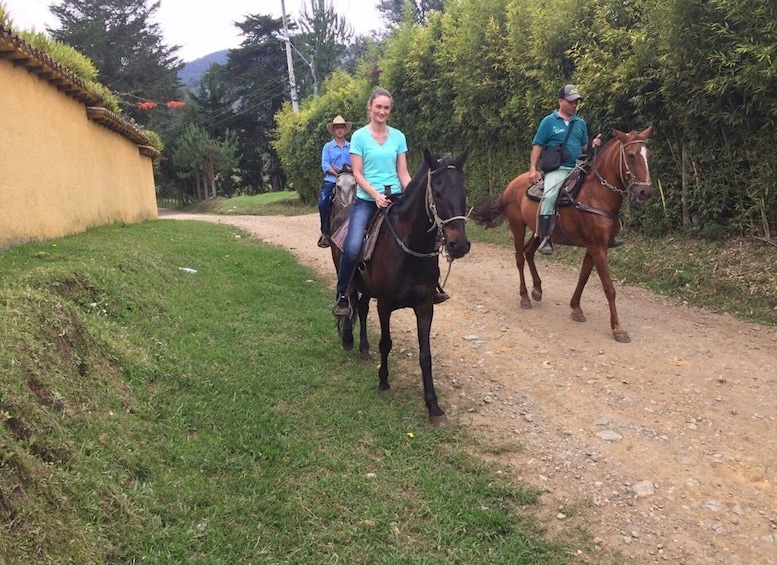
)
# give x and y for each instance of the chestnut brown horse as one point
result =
(403, 269)
(591, 221)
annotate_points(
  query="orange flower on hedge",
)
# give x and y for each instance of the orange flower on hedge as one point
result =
(175, 104)
(147, 105)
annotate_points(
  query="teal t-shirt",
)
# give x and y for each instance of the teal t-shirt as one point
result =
(552, 131)
(380, 160)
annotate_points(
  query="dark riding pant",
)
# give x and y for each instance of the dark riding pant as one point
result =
(361, 214)
(325, 204)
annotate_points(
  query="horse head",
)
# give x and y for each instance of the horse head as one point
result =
(446, 201)
(345, 188)
(633, 169)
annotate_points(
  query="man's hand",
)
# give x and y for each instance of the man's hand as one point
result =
(597, 141)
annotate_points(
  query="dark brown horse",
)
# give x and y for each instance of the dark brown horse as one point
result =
(403, 269)
(591, 221)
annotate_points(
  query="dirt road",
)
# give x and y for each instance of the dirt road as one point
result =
(663, 449)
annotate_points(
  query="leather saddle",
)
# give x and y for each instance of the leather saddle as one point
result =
(340, 230)
(569, 190)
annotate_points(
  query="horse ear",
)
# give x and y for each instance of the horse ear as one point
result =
(645, 133)
(429, 159)
(620, 135)
(458, 162)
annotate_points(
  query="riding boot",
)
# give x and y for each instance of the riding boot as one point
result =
(342, 307)
(546, 247)
(323, 241)
(440, 295)
(615, 242)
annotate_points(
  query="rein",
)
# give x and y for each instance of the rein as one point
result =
(434, 219)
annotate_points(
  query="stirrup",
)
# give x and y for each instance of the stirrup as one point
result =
(342, 307)
(546, 247)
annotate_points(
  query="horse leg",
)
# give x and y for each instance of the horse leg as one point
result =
(364, 344)
(582, 280)
(536, 291)
(345, 328)
(423, 315)
(519, 232)
(600, 260)
(385, 344)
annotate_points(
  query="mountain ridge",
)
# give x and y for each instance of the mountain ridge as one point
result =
(191, 73)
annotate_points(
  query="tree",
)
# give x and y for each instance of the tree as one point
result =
(394, 10)
(325, 35)
(126, 48)
(256, 86)
(204, 160)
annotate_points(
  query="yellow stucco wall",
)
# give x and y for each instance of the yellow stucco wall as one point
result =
(61, 173)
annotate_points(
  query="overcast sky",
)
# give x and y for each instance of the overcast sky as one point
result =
(203, 26)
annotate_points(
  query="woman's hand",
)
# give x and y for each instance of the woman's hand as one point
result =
(382, 201)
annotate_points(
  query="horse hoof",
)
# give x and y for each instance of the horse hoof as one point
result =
(526, 305)
(439, 421)
(365, 356)
(622, 337)
(347, 346)
(536, 295)
(386, 392)
(579, 317)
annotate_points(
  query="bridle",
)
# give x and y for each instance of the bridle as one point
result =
(434, 220)
(627, 178)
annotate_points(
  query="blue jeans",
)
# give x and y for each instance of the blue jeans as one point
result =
(325, 204)
(553, 182)
(361, 214)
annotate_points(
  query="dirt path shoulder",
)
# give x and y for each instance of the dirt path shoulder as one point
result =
(664, 448)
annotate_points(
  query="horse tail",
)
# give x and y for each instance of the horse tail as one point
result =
(489, 213)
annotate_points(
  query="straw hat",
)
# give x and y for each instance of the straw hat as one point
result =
(339, 120)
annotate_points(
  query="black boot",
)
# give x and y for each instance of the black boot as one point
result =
(615, 242)
(440, 295)
(546, 247)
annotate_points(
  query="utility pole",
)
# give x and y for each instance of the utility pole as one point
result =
(289, 62)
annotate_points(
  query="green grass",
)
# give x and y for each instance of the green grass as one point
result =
(152, 415)
(286, 203)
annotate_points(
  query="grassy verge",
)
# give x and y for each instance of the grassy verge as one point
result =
(286, 203)
(154, 415)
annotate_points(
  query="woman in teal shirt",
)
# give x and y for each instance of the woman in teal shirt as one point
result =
(379, 162)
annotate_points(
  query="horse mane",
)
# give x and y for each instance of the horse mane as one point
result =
(416, 183)
(605, 149)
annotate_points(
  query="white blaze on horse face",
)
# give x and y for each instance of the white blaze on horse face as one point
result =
(643, 154)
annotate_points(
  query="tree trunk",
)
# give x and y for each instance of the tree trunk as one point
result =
(684, 187)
